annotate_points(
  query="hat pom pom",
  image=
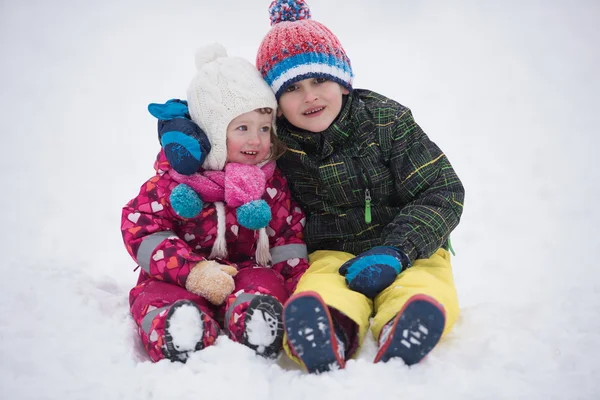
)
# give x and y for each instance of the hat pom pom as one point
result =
(185, 201)
(288, 10)
(254, 215)
(209, 53)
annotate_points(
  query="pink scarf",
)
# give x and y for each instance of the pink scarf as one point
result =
(237, 184)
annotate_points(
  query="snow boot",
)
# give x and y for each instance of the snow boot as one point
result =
(187, 329)
(311, 333)
(414, 332)
(263, 328)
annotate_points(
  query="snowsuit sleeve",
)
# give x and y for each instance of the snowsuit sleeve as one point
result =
(428, 185)
(286, 236)
(148, 227)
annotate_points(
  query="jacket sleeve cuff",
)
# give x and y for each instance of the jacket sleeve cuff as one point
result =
(407, 251)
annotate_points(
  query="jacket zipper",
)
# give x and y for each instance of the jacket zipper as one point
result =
(367, 206)
(367, 196)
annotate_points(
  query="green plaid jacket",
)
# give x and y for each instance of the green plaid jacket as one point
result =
(373, 148)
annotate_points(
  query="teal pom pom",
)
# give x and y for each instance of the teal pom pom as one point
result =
(254, 215)
(185, 201)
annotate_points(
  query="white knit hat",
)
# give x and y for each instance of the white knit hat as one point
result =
(224, 88)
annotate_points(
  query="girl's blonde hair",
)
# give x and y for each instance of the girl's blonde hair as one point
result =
(277, 146)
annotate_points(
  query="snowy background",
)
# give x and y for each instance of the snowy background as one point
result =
(510, 91)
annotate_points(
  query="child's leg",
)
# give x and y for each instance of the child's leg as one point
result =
(172, 322)
(323, 298)
(420, 306)
(253, 311)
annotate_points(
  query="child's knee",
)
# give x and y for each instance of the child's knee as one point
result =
(327, 261)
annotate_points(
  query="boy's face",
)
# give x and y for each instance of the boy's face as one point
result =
(249, 138)
(312, 104)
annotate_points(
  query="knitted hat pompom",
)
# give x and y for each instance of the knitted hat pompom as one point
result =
(288, 10)
(209, 53)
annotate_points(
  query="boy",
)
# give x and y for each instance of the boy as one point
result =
(373, 185)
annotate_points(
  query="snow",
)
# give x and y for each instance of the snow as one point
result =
(385, 332)
(509, 90)
(186, 327)
(261, 329)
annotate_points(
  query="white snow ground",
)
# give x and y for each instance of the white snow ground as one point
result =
(508, 89)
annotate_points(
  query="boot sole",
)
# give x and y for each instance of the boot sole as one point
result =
(416, 330)
(169, 350)
(310, 333)
(275, 310)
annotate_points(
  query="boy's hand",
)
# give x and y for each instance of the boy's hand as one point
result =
(372, 271)
(211, 280)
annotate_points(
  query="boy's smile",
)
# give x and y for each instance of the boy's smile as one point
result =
(313, 112)
(312, 104)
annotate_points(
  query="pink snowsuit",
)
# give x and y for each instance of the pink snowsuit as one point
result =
(167, 246)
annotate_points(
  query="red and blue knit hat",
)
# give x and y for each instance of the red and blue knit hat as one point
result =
(298, 48)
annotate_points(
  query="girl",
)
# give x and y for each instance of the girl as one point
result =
(221, 247)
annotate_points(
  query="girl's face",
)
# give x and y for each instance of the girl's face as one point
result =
(249, 137)
(312, 104)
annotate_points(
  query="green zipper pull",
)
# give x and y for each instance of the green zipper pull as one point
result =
(367, 206)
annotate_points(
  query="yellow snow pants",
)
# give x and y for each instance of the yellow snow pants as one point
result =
(431, 276)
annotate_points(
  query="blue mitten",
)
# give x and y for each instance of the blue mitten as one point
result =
(185, 146)
(372, 271)
(184, 143)
(173, 108)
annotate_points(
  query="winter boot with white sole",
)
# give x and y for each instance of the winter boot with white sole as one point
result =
(414, 332)
(311, 333)
(263, 328)
(187, 329)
